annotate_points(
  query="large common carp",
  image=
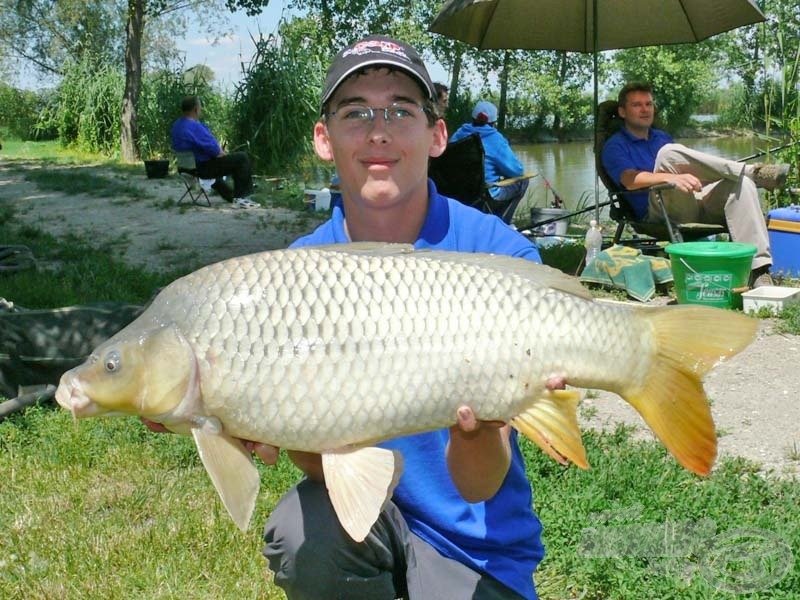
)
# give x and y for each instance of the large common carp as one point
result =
(332, 349)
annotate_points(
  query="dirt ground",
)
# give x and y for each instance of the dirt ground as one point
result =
(755, 396)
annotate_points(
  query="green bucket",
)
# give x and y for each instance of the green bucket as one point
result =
(710, 272)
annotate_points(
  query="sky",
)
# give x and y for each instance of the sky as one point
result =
(225, 57)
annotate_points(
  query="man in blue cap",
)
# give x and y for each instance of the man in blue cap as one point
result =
(500, 162)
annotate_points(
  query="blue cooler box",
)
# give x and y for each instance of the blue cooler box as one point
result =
(784, 238)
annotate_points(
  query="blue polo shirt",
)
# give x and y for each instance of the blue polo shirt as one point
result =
(194, 136)
(624, 151)
(499, 160)
(501, 536)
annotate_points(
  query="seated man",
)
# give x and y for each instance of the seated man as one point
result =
(707, 189)
(500, 161)
(189, 134)
(442, 98)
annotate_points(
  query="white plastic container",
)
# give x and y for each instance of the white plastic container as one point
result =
(556, 227)
(773, 297)
(318, 199)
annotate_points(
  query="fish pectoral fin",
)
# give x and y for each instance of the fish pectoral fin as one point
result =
(232, 472)
(552, 424)
(360, 482)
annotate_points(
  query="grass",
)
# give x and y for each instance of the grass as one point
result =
(105, 509)
(50, 151)
(638, 526)
(73, 271)
(84, 180)
(789, 319)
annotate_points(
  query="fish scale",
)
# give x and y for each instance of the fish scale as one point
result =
(490, 302)
(331, 349)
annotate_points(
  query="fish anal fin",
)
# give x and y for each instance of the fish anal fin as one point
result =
(360, 482)
(552, 424)
(232, 472)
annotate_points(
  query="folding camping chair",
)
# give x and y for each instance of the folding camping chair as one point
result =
(187, 171)
(608, 123)
(458, 173)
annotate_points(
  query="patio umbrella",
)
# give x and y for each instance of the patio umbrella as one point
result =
(589, 25)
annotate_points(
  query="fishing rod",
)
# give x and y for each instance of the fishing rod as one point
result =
(768, 151)
(580, 211)
(558, 202)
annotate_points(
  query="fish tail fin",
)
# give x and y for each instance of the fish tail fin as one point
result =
(689, 341)
(552, 424)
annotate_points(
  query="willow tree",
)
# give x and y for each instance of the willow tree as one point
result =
(139, 14)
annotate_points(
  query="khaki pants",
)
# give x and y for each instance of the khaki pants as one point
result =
(728, 197)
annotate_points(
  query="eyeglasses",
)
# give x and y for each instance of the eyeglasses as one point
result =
(359, 116)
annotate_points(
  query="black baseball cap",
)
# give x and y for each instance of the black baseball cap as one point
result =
(376, 50)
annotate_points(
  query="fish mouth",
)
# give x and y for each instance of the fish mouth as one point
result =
(71, 396)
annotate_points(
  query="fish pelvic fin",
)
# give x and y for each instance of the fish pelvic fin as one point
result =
(552, 424)
(360, 482)
(232, 472)
(690, 341)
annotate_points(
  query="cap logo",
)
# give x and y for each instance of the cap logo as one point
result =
(370, 46)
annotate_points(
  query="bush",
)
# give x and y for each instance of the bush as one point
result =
(20, 113)
(86, 111)
(276, 104)
(160, 105)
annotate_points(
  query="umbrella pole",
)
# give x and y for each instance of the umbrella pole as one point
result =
(594, 110)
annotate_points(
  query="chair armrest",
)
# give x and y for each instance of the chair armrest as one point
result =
(511, 180)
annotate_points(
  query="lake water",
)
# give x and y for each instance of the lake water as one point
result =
(569, 168)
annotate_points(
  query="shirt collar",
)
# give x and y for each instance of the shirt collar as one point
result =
(634, 138)
(434, 228)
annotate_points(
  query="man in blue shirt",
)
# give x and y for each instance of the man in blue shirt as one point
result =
(708, 189)
(189, 134)
(379, 126)
(500, 162)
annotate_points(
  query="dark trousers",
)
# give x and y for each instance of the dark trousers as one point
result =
(314, 559)
(235, 164)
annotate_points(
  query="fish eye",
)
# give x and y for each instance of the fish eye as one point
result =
(112, 361)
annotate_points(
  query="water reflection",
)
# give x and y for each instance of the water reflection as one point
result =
(569, 167)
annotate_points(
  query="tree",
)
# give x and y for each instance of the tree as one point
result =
(139, 12)
(681, 76)
(50, 33)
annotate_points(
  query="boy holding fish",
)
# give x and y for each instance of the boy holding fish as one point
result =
(460, 523)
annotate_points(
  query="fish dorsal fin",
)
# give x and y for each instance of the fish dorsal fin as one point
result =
(536, 273)
(368, 248)
(232, 472)
(360, 482)
(552, 424)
